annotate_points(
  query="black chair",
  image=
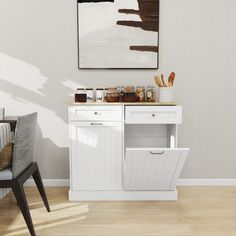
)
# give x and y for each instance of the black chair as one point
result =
(23, 167)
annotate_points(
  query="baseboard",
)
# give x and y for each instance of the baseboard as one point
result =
(50, 182)
(206, 182)
(181, 182)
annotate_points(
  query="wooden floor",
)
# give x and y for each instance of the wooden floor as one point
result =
(198, 212)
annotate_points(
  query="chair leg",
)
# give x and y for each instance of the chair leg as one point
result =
(19, 193)
(39, 183)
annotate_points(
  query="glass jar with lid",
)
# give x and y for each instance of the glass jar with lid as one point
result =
(112, 95)
(99, 95)
(140, 93)
(80, 95)
(89, 92)
(150, 94)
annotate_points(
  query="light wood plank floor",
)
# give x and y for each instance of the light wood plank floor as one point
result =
(200, 211)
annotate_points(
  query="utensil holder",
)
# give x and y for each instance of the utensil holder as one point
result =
(166, 94)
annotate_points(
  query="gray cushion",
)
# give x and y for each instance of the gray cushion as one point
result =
(23, 143)
(6, 174)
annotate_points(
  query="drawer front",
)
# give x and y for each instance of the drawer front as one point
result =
(153, 169)
(95, 113)
(153, 114)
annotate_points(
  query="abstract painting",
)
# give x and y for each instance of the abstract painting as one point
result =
(118, 33)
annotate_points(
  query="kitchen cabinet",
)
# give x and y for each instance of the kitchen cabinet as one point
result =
(97, 148)
(125, 151)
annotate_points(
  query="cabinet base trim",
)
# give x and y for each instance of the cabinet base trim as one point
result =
(180, 182)
(123, 195)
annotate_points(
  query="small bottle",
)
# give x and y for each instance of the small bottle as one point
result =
(99, 95)
(89, 92)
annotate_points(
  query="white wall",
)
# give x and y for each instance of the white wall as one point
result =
(38, 72)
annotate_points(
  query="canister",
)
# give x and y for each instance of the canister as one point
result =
(89, 92)
(99, 95)
(80, 95)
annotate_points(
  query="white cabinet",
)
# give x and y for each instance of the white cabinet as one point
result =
(125, 152)
(96, 151)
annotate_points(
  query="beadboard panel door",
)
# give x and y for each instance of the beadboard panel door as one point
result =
(153, 169)
(96, 156)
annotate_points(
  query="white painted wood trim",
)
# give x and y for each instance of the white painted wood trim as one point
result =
(180, 182)
(123, 195)
(206, 182)
(50, 183)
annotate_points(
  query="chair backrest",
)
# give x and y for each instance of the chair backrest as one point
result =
(23, 143)
(1, 113)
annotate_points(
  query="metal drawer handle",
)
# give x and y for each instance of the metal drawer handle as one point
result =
(157, 153)
(96, 123)
(153, 115)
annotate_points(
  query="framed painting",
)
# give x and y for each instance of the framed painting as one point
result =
(118, 34)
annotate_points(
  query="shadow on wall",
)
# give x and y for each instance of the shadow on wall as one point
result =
(37, 61)
(39, 70)
(55, 157)
(26, 84)
(28, 90)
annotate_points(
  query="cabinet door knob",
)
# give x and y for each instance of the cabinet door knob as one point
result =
(95, 112)
(153, 115)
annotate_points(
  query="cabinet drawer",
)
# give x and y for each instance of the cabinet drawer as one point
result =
(153, 169)
(96, 113)
(153, 114)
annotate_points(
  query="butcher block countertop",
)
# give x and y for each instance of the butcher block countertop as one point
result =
(123, 103)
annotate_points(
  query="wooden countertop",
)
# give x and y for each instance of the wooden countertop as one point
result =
(123, 103)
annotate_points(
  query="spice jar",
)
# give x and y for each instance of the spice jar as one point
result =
(99, 95)
(140, 93)
(150, 94)
(129, 94)
(80, 95)
(89, 92)
(112, 95)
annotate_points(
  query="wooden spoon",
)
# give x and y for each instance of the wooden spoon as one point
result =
(171, 79)
(157, 81)
(163, 81)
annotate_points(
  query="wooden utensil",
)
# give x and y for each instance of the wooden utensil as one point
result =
(157, 81)
(163, 81)
(171, 79)
(160, 81)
